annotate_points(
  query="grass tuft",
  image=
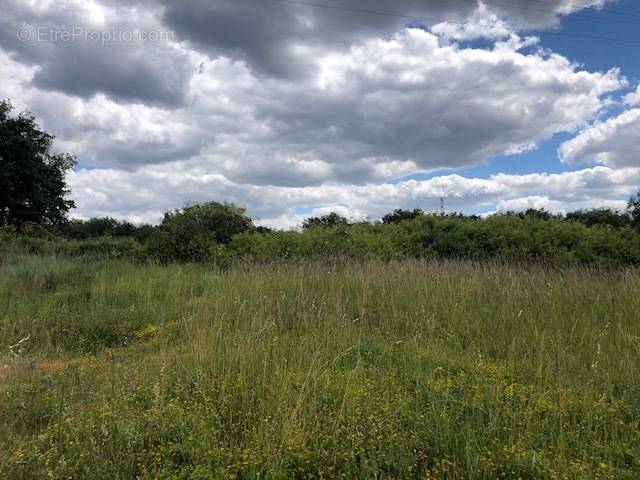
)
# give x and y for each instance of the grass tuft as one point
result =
(417, 369)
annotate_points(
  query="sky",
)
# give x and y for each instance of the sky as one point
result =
(296, 108)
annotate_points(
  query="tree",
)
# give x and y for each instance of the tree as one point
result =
(32, 178)
(537, 213)
(599, 216)
(332, 220)
(633, 209)
(400, 215)
(196, 232)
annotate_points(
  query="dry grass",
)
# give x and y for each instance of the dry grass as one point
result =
(371, 370)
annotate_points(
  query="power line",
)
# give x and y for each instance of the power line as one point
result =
(542, 10)
(556, 12)
(594, 37)
(602, 10)
(434, 19)
(360, 10)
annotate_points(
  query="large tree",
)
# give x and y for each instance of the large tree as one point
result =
(32, 178)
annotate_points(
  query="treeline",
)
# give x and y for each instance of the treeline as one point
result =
(34, 207)
(222, 233)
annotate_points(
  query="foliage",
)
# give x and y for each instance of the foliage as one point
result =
(198, 232)
(32, 178)
(332, 220)
(42, 242)
(600, 216)
(538, 213)
(519, 238)
(222, 234)
(102, 227)
(400, 215)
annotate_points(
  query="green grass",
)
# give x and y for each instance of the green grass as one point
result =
(414, 369)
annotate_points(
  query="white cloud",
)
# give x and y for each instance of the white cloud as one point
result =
(381, 110)
(483, 23)
(15, 78)
(266, 33)
(315, 115)
(613, 142)
(412, 98)
(534, 201)
(146, 195)
(633, 99)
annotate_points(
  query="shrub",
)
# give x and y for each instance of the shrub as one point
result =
(332, 220)
(400, 215)
(600, 216)
(198, 232)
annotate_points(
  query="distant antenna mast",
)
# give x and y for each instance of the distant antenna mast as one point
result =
(442, 206)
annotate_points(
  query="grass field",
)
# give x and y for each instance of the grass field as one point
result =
(413, 369)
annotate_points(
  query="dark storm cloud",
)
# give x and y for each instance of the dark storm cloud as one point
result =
(266, 32)
(270, 35)
(99, 58)
(134, 75)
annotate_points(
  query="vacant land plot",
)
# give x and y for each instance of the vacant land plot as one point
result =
(356, 370)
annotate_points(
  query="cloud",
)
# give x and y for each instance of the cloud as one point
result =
(483, 23)
(282, 106)
(533, 201)
(15, 79)
(613, 142)
(413, 98)
(85, 47)
(267, 34)
(100, 131)
(273, 37)
(144, 196)
(633, 99)
(381, 110)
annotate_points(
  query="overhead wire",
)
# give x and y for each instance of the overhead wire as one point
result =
(599, 9)
(315, 4)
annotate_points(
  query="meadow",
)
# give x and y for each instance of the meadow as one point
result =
(407, 368)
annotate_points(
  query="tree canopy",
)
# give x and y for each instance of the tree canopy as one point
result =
(332, 220)
(400, 215)
(600, 216)
(195, 232)
(32, 178)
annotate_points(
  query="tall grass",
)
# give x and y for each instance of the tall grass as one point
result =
(318, 370)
